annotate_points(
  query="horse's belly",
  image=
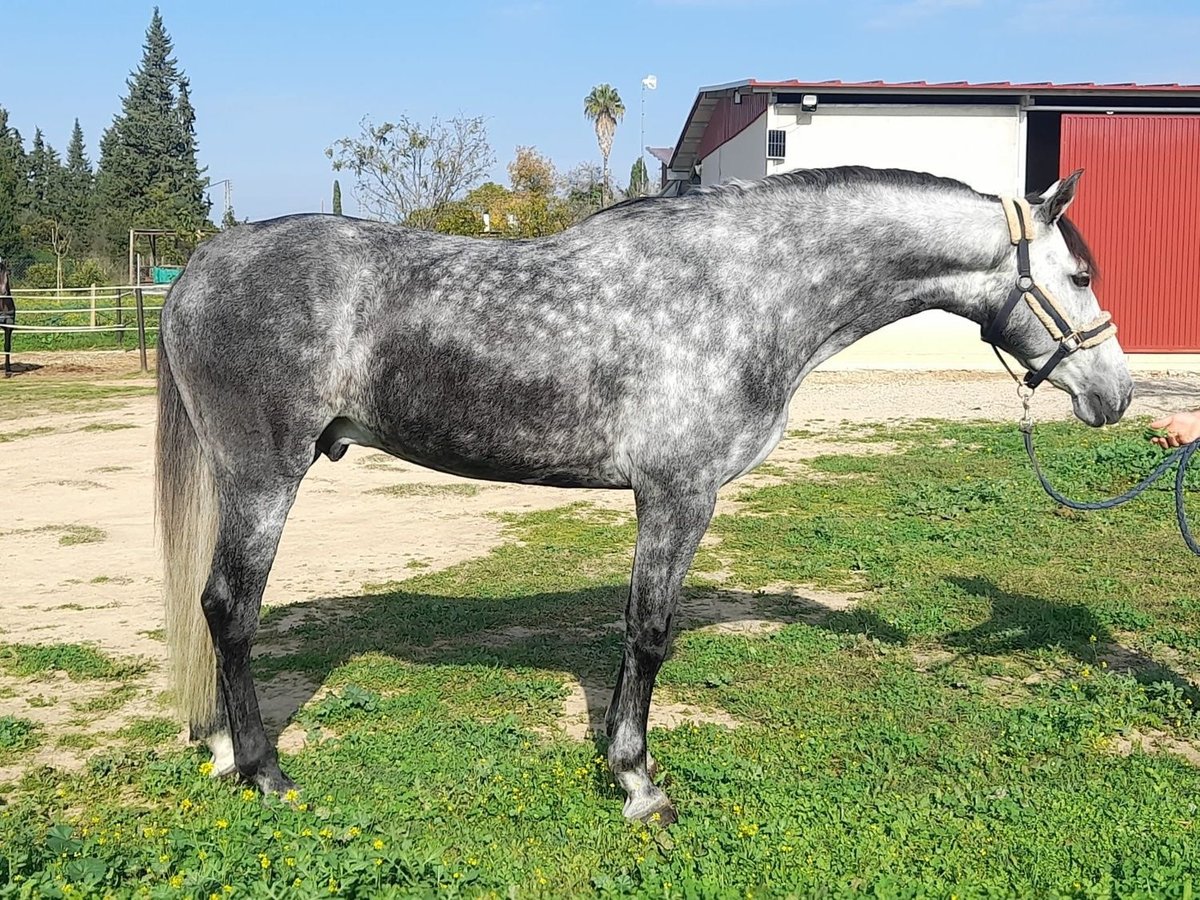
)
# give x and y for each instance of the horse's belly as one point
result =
(525, 458)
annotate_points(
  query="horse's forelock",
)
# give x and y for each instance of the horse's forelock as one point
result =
(1078, 246)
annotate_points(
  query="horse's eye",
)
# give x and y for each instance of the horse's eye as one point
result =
(1082, 279)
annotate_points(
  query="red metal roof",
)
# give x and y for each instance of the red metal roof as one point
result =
(1036, 86)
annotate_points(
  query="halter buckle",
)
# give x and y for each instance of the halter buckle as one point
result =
(1071, 342)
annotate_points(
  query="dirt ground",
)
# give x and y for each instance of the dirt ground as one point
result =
(76, 517)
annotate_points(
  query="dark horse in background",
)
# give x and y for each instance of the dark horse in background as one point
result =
(653, 347)
(8, 313)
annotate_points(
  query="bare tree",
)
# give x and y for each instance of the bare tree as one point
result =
(53, 233)
(407, 171)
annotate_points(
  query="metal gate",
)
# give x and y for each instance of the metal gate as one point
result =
(1139, 208)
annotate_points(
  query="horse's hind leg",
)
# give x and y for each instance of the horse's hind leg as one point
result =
(671, 522)
(250, 522)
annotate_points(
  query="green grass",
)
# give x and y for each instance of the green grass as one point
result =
(419, 489)
(6, 436)
(108, 426)
(21, 398)
(950, 736)
(78, 534)
(151, 730)
(16, 737)
(78, 661)
(107, 701)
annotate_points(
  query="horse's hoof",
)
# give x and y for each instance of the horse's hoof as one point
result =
(271, 780)
(652, 808)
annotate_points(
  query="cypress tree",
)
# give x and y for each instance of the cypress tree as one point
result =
(193, 205)
(337, 197)
(148, 175)
(77, 189)
(45, 180)
(14, 168)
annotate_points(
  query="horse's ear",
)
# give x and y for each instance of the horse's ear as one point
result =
(1058, 197)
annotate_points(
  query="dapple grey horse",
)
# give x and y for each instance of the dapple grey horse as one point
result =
(653, 347)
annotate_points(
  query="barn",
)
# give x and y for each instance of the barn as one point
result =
(1139, 202)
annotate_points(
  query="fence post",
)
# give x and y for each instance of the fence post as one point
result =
(93, 318)
(141, 327)
(120, 321)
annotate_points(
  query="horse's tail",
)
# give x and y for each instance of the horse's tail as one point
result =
(187, 524)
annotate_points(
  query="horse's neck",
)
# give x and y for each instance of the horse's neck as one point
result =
(860, 271)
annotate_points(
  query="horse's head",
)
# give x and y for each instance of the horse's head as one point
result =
(1054, 325)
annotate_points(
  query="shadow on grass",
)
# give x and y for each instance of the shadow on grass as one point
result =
(577, 632)
(580, 633)
(1022, 622)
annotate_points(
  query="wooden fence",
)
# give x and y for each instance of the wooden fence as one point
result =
(111, 313)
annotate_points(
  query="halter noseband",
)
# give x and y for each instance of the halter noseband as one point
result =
(1043, 303)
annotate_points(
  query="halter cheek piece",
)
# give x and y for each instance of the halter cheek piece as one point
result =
(1043, 303)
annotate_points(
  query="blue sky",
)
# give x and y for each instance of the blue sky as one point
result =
(274, 83)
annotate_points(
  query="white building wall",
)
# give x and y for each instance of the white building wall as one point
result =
(980, 145)
(745, 156)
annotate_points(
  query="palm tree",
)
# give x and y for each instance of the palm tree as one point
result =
(603, 106)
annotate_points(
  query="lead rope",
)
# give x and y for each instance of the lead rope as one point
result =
(1182, 456)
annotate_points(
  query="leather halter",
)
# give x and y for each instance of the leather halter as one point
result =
(1043, 303)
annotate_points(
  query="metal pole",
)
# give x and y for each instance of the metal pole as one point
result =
(141, 328)
(642, 133)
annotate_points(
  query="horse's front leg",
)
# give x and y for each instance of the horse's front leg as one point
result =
(7, 351)
(671, 520)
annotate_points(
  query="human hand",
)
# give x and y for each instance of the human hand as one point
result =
(1177, 430)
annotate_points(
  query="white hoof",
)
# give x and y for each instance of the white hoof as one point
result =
(223, 764)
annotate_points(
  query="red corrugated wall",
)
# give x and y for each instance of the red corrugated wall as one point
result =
(1139, 208)
(731, 119)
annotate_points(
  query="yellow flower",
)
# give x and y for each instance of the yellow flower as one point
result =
(748, 829)
(377, 844)
(203, 854)
(290, 861)
(307, 832)
(1086, 672)
(222, 823)
(164, 858)
(292, 796)
(247, 795)
(185, 804)
(264, 861)
(378, 861)
(277, 834)
(298, 882)
(227, 889)
(326, 832)
(354, 831)
(206, 768)
(176, 881)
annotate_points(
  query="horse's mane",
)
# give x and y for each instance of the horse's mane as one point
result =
(839, 176)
